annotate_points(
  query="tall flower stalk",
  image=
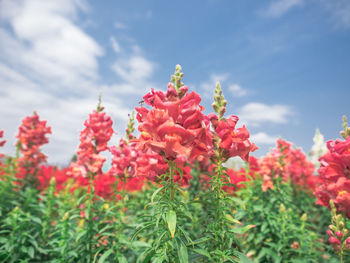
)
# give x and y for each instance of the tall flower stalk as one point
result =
(93, 140)
(174, 132)
(227, 142)
(31, 136)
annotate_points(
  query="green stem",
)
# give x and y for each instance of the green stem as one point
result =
(90, 218)
(171, 175)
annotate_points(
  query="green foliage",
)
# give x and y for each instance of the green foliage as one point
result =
(198, 224)
(289, 227)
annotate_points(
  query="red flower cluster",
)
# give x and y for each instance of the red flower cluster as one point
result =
(31, 136)
(242, 175)
(2, 142)
(233, 142)
(93, 140)
(124, 160)
(290, 164)
(46, 172)
(335, 176)
(150, 165)
(175, 127)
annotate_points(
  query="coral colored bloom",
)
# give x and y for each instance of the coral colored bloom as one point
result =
(175, 126)
(334, 176)
(93, 140)
(334, 240)
(47, 172)
(289, 164)
(234, 141)
(2, 143)
(31, 136)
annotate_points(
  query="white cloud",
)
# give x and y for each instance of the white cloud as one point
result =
(133, 69)
(65, 116)
(256, 113)
(263, 138)
(119, 25)
(115, 45)
(281, 7)
(135, 72)
(209, 86)
(49, 64)
(46, 43)
(237, 90)
(340, 11)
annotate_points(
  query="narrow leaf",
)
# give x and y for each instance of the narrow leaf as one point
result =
(105, 255)
(171, 220)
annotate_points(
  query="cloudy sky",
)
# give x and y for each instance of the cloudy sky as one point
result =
(284, 65)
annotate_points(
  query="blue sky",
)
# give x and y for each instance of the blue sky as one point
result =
(284, 65)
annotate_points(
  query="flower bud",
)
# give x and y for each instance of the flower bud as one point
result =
(338, 218)
(65, 217)
(332, 227)
(304, 217)
(347, 241)
(334, 240)
(339, 234)
(329, 232)
(282, 208)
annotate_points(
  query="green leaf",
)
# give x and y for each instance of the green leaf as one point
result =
(199, 241)
(140, 244)
(242, 257)
(122, 259)
(202, 252)
(182, 251)
(155, 194)
(31, 252)
(141, 229)
(242, 230)
(105, 255)
(171, 220)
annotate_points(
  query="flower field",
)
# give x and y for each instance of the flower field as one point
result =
(169, 193)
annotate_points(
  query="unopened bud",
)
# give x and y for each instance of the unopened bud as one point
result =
(339, 234)
(66, 215)
(52, 181)
(338, 218)
(222, 111)
(334, 240)
(329, 232)
(347, 241)
(283, 208)
(332, 227)
(304, 217)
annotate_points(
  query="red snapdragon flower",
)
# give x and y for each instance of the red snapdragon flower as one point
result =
(289, 164)
(150, 165)
(2, 142)
(175, 127)
(31, 136)
(93, 140)
(234, 142)
(124, 159)
(46, 172)
(334, 176)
